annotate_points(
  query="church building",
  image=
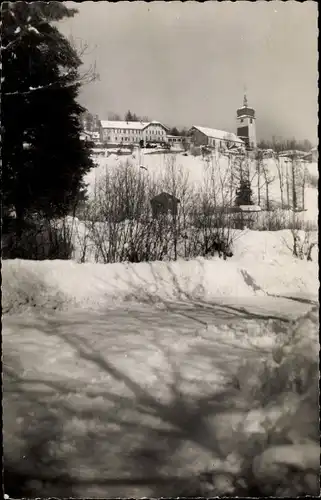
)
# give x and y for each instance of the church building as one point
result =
(246, 128)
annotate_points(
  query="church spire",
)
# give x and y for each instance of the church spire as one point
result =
(245, 101)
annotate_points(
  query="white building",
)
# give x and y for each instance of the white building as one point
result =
(214, 138)
(127, 133)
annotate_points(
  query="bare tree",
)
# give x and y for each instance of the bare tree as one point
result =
(281, 176)
(268, 179)
(287, 177)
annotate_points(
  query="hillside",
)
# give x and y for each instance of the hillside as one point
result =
(197, 172)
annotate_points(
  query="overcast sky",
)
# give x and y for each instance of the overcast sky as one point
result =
(187, 64)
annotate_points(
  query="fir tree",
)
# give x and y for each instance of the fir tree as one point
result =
(244, 193)
(44, 159)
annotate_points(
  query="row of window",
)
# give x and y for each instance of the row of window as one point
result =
(132, 131)
(125, 131)
(128, 139)
(251, 120)
(220, 144)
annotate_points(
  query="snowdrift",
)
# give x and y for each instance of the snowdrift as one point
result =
(65, 284)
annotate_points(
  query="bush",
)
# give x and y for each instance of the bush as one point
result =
(40, 239)
(120, 226)
(278, 220)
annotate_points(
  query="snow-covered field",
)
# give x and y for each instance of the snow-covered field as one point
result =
(130, 380)
(196, 170)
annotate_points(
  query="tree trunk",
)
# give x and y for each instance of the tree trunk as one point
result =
(267, 195)
(287, 185)
(294, 196)
(258, 183)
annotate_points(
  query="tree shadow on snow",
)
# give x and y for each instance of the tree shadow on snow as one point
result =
(28, 454)
(141, 289)
(135, 440)
(160, 443)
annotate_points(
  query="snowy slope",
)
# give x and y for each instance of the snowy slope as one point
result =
(196, 170)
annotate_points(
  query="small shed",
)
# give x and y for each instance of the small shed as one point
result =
(164, 203)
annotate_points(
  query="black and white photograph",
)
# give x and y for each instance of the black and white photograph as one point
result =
(159, 249)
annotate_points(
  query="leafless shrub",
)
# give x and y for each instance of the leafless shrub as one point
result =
(120, 226)
(40, 239)
(303, 242)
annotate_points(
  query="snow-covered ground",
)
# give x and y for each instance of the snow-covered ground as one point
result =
(262, 264)
(128, 380)
(138, 394)
(118, 377)
(196, 170)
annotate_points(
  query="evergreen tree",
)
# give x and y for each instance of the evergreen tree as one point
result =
(131, 117)
(174, 131)
(44, 159)
(244, 193)
(128, 116)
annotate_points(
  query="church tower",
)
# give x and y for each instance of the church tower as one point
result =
(246, 128)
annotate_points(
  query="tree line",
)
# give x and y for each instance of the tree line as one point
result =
(281, 144)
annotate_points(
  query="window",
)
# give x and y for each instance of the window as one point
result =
(251, 121)
(242, 120)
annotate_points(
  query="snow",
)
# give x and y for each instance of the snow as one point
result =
(163, 368)
(197, 171)
(33, 30)
(105, 388)
(262, 264)
(105, 124)
(219, 134)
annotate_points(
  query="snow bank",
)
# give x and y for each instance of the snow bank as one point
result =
(65, 284)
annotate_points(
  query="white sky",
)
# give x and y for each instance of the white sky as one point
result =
(187, 64)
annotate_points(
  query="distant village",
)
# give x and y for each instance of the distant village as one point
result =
(133, 132)
(154, 134)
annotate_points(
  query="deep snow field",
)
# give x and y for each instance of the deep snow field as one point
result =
(193, 170)
(130, 380)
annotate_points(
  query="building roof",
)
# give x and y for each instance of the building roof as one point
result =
(292, 152)
(250, 208)
(123, 124)
(129, 125)
(163, 195)
(218, 134)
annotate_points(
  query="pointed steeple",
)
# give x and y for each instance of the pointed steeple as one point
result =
(245, 101)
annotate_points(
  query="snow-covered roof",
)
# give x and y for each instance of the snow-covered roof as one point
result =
(123, 124)
(218, 134)
(85, 135)
(250, 208)
(292, 152)
(155, 122)
(129, 125)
